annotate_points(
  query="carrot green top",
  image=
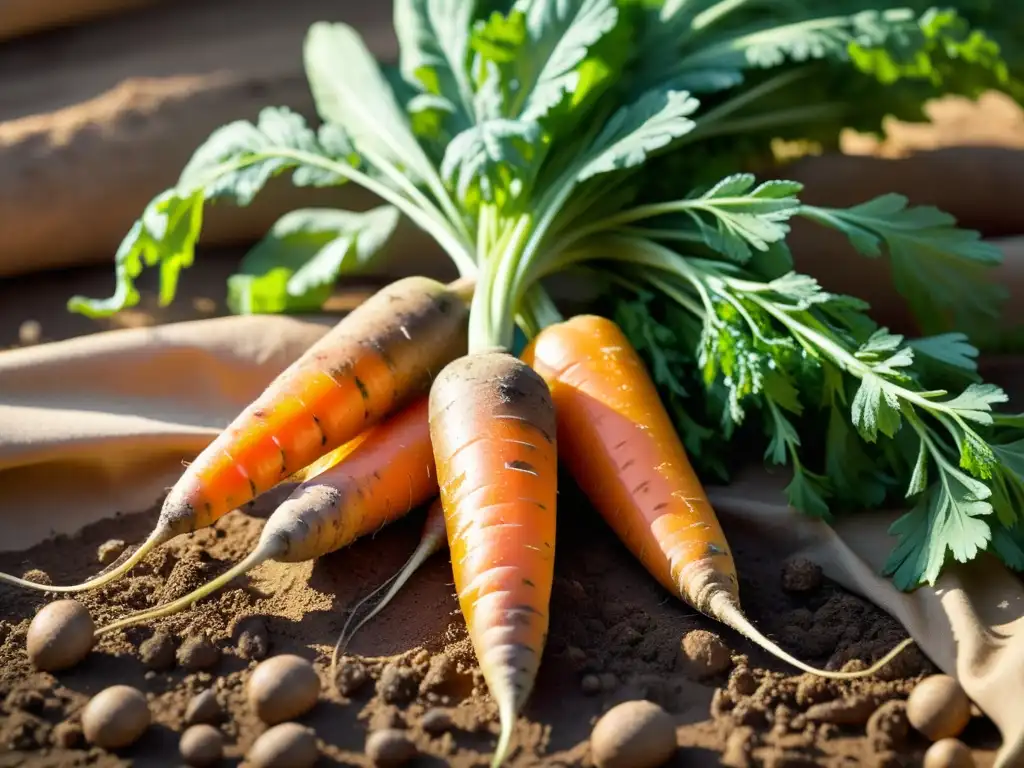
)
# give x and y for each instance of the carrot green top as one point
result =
(607, 137)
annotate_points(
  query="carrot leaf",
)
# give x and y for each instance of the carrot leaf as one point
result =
(295, 266)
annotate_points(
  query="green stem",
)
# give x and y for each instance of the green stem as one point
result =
(439, 230)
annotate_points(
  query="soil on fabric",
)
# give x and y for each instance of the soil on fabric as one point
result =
(615, 635)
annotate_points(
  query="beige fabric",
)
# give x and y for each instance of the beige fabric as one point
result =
(101, 424)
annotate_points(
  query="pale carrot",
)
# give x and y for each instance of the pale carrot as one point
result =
(390, 473)
(621, 447)
(432, 540)
(493, 428)
(378, 358)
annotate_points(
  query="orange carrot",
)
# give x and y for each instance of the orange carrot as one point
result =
(622, 449)
(492, 425)
(378, 358)
(432, 540)
(390, 473)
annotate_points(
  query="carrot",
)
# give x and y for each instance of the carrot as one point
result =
(621, 447)
(432, 540)
(379, 357)
(388, 474)
(492, 425)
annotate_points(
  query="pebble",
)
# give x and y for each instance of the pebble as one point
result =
(253, 639)
(634, 734)
(68, 735)
(29, 333)
(853, 710)
(201, 745)
(116, 717)
(948, 753)
(197, 652)
(801, 575)
(204, 708)
(109, 551)
(286, 744)
(60, 635)
(938, 707)
(390, 748)
(703, 654)
(436, 721)
(590, 685)
(282, 688)
(157, 652)
(397, 684)
(351, 676)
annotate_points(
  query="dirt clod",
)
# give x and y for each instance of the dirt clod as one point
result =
(739, 748)
(201, 745)
(350, 676)
(390, 748)
(157, 651)
(441, 674)
(436, 721)
(801, 575)
(398, 684)
(68, 735)
(253, 641)
(888, 727)
(742, 683)
(854, 710)
(204, 708)
(109, 551)
(634, 734)
(703, 654)
(197, 652)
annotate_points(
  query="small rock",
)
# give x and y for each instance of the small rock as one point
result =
(109, 551)
(197, 652)
(390, 748)
(739, 748)
(282, 688)
(742, 683)
(253, 639)
(397, 684)
(436, 721)
(68, 735)
(801, 575)
(60, 636)
(29, 333)
(201, 745)
(948, 753)
(703, 654)
(590, 685)
(116, 717)
(204, 708)
(157, 652)
(287, 744)
(888, 726)
(938, 707)
(350, 677)
(634, 734)
(854, 710)
(441, 672)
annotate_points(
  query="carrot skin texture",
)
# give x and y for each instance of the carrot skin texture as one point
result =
(388, 474)
(492, 425)
(621, 447)
(373, 362)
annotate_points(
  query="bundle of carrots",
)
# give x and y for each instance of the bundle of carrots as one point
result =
(530, 138)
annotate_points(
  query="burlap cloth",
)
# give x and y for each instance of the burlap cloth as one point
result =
(98, 424)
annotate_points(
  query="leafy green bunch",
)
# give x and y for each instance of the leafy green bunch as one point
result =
(536, 137)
